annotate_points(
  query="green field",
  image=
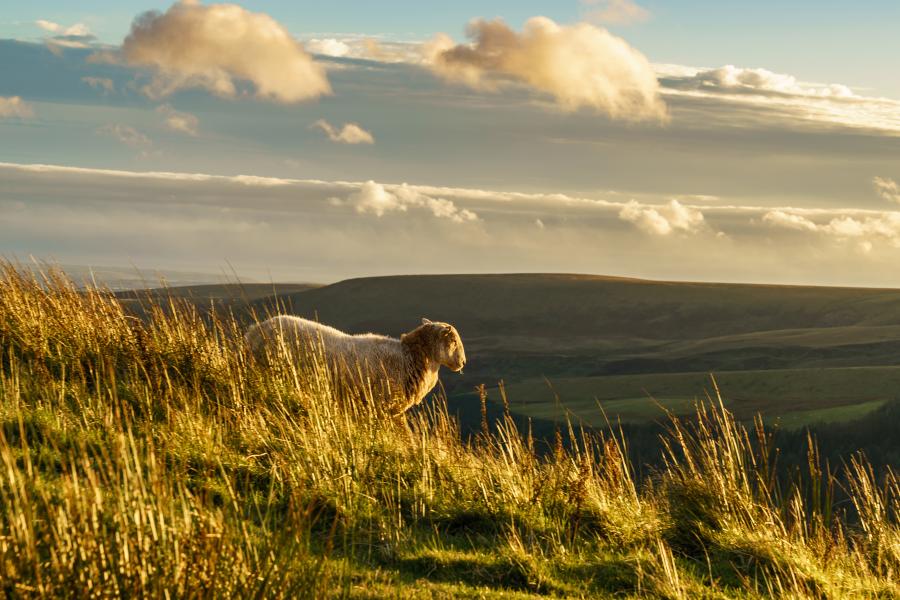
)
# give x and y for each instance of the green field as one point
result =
(793, 396)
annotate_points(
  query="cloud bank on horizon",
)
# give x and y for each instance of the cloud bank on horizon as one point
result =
(328, 230)
(560, 147)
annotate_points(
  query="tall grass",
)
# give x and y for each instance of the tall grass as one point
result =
(154, 458)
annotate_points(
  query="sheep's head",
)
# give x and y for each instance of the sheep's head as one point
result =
(441, 341)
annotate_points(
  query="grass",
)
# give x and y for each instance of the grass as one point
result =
(154, 459)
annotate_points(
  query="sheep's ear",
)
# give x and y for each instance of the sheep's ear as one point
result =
(426, 321)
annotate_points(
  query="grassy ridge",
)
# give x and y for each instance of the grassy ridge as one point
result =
(153, 459)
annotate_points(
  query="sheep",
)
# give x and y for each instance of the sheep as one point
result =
(402, 371)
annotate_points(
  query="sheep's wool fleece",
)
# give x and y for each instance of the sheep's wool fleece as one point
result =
(374, 363)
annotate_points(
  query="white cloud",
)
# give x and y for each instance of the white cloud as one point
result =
(328, 47)
(580, 65)
(213, 46)
(614, 12)
(781, 97)
(663, 220)
(14, 106)
(179, 121)
(100, 83)
(350, 133)
(787, 220)
(887, 189)
(732, 78)
(127, 135)
(367, 48)
(863, 230)
(76, 30)
(374, 198)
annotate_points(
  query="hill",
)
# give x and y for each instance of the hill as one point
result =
(598, 338)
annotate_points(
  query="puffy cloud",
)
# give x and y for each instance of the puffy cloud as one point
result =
(786, 220)
(731, 78)
(127, 135)
(328, 47)
(863, 229)
(212, 46)
(100, 83)
(665, 220)
(614, 12)
(179, 121)
(887, 189)
(375, 199)
(14, 106)
(580, 65)
(350, 133)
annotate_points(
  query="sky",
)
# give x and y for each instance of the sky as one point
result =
(318, 141)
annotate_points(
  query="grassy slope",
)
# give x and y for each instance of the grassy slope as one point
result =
(154, 460)
(586, 334)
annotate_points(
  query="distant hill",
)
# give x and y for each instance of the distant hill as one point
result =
(130, 278)
(606, 338)
(580, 306)
(229, 296)
(611, 325)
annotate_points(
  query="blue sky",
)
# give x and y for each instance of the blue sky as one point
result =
(714, 141)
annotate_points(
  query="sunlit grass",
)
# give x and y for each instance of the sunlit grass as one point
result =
(155, 459)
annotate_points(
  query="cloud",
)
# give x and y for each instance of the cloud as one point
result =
(76, 30)
(779, 97)
(217, 45)
(374, 198)
(73, 36)
(127, 135)
(579, 65)
(731, 78)
(787, 220)
(14, 106)
(614, 12)
(350, 133)
(100, 83)
(863, 230)
(309, 230)
(887, 189)
(665, 220)
(179, 121)
(328, 47)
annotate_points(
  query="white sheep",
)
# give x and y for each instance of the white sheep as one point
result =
(403, 371)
